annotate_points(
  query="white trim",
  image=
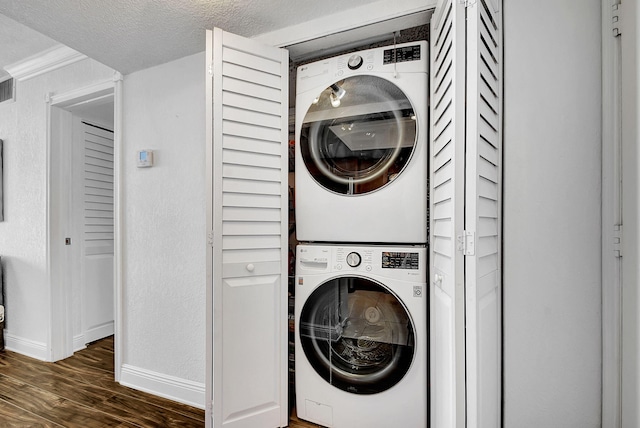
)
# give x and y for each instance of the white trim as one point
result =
(99, 332)
(118, 297)
(62, 343)
(380, 11)
(170, 387)
(28, 347)
(85, 94)
(44, 62)
(79, 343)
(611, 214)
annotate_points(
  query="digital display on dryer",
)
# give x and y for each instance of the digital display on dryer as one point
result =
(407, 53)
(397, 260)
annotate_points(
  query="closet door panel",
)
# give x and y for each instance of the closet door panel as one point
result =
(248, 238)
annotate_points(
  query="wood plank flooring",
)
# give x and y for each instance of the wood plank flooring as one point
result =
(79, 392)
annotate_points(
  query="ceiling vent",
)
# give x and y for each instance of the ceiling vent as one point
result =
(7, 90)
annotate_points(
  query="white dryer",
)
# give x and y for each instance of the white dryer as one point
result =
(361, 352)
(362, 147)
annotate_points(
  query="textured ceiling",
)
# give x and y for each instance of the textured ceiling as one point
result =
(130, 35)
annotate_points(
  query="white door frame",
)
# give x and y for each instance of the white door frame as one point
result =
(60, 335)
(611, 216)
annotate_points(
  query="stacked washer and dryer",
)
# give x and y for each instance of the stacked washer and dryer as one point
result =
(361, 308)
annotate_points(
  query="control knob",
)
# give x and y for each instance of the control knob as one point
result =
(354, 259)
(355, 61)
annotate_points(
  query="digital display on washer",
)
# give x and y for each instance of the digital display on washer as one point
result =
(407, 53)
(396, 260)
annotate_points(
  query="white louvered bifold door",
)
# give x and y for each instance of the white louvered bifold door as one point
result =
(97, 233)
(447, 215)
(483, 214)
(249, 234)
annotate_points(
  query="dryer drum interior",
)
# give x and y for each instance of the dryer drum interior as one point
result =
(359, 142)
(357, 335)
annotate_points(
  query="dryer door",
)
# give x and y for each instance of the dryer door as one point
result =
(358, 135)
(357, 335)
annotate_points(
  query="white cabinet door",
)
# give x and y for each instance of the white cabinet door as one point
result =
(247, 107)
(483, 192)
(466, 156)
(447, 358)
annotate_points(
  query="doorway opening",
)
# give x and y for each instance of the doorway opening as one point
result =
(83, 220)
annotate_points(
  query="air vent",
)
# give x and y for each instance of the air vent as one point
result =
(7, 92)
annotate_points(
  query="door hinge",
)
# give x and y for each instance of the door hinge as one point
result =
(617, 240)
(210, 238)
(210, 69)
(468, 3)
(616, 15)
(467, 243)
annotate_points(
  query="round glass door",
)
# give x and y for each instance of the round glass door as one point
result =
(358, 135)
(357, 335)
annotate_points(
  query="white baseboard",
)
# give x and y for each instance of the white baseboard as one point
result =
(173, 388)
(28, 347)
(91, 335)
(98, 332)
(79, 343)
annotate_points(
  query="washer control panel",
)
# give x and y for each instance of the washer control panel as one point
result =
(400, 262)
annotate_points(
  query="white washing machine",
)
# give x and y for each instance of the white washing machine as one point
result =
(361, 352)
(362, 147)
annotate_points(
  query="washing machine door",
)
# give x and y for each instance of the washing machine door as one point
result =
(358, 135)
(357, 335)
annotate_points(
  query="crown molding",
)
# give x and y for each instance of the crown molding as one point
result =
(44, 62)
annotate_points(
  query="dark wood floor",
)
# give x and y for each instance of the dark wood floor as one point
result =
(80, 392)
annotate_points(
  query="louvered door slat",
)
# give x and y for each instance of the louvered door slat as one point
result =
(256, 118)
(482, 213)
(249, 172)
(250, 103)
(251, 75)
(242, 87)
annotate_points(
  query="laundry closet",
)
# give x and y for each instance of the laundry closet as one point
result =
(360, 274)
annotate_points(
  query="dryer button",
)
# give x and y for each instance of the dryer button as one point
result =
(339, 266)
(368, 268)
(355, 61)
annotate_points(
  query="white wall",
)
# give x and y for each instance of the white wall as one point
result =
(552, 149)
(23, 234)
(164, 268)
